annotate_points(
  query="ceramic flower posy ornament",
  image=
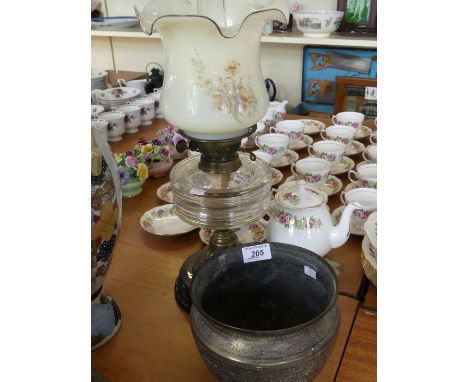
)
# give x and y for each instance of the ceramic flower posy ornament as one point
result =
(136, 163)
(216, 88)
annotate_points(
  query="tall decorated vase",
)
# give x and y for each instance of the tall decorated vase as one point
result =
(106, 209)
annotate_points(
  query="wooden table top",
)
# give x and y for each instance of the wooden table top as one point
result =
(360, 358)
(371, 298)
(155, 341)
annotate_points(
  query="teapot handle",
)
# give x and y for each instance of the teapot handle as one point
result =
(269, 83)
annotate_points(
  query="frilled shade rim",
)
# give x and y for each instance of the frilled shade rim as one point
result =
(150, 19)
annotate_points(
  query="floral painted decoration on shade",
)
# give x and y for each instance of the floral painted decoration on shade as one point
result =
(312, 178)
(291, 198)
(289, 220)
(231, 94)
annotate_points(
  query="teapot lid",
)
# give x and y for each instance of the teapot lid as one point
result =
(301, 195)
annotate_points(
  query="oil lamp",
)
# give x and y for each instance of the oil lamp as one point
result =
(214, 93)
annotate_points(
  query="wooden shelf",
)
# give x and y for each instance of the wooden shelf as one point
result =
(278, 38)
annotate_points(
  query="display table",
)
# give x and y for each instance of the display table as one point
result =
(360, 358)
(371, 298)
(155, 341)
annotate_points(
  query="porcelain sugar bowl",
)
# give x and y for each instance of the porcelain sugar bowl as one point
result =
(299, 216)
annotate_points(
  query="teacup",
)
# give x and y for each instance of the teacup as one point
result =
(96, 110)
(293, 129)
(370, 154)
(348, 118)
(367, 198)
(116, 127)
(263, 155)
(101, 126)
(373, 138)
(331, 151)
(147, 109)
(341, 133)
(94, 100)
(274, 144)
(138, 84)
(313, 170)
(132, 117)
(156, 97)
(366, 175)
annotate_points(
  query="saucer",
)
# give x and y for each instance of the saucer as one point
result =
(311, 126)
(289, 157)
(344, 166)
(336, 217)
(163, 221)
(355, 148)
(362, 132)
(351, 186)
(165, 193)
(276, 176)
(332, 186)
(252, 233)
(302, 143)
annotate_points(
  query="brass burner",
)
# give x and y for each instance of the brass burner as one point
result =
(217, 157)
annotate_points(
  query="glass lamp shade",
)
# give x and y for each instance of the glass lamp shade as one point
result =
(213, 85)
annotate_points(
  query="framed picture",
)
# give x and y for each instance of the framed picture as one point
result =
(360, 16)
(356, 94)
(321, 67)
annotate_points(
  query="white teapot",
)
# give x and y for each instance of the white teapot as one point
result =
(299, 216)
(276, 112)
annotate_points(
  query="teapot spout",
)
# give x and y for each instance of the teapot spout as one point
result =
(340, 233)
